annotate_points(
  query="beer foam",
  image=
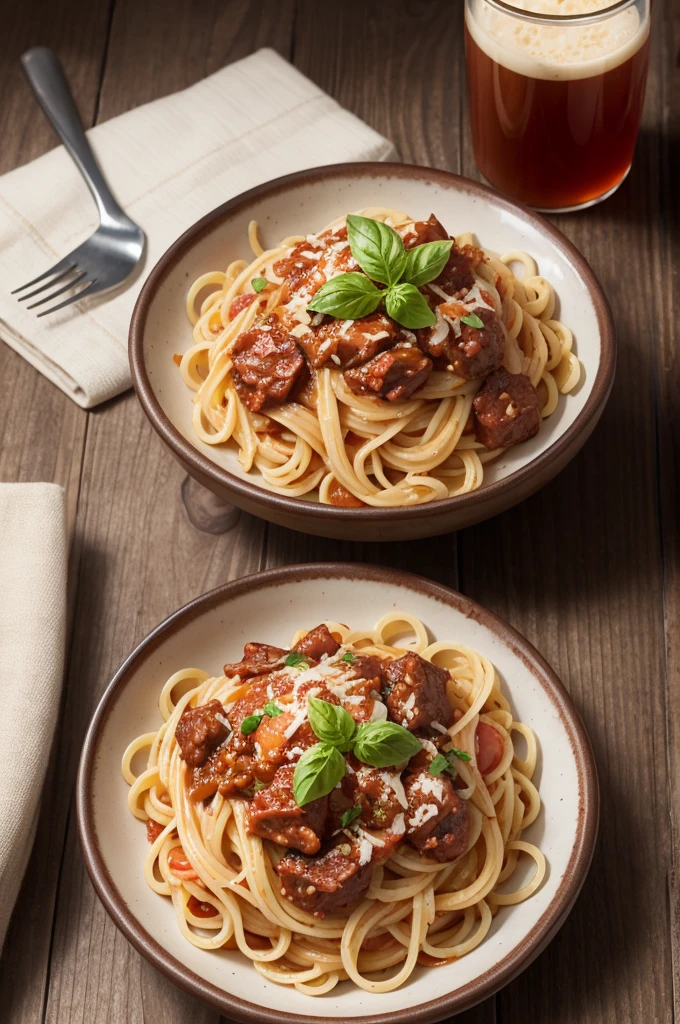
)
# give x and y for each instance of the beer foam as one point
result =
(557, 52)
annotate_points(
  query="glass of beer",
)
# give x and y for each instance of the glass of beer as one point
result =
(556, 91)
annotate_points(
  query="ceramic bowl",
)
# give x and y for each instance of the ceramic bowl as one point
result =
(270, 606)
(302, 203)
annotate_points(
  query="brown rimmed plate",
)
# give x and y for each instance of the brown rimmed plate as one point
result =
(304, 202)
(270, 606)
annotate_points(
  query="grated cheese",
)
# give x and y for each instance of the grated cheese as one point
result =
(365, 852)
(439, 727)
(398, 826)
(423, 814)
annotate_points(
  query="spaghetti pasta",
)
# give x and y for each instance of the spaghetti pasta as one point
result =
(427, 897)
(325, 441)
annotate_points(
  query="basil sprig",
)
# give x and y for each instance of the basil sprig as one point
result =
(472, 320)
(381, 744)
(332, 724)
(259, 283)
(380, 253)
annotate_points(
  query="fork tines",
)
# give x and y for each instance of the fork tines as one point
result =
(67, 274)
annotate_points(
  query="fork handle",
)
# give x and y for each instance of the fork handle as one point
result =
(47, 79)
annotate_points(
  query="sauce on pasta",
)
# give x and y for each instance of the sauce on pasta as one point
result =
(367, 407)
(343, 809)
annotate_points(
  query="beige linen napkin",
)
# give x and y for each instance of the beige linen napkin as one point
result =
(168, 163)
(33, 555)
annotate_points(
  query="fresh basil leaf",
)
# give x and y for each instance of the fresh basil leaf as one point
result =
(472, 320)
(296, 660)
(348, 657)
(348, 817)
(317, 772)
(438, 764)
(405, 304)
(377, 248)
(250, 724)
(331, 723)
(259, 283)
(425, 262)
(347, 297)
(462, 755)
(384, 744)
(272, 710)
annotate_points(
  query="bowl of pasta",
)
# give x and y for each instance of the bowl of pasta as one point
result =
(372, 351)
(310, 787)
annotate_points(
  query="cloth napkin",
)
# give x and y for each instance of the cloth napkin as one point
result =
(168, 163)
(33, 556)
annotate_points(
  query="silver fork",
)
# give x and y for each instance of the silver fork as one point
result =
(111, 254)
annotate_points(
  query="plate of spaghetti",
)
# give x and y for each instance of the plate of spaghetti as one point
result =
(330, 353)
(310, 827)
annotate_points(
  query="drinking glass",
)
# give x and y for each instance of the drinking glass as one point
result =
(556, 98)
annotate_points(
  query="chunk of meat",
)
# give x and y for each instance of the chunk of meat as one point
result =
(257, 659)
(267, 363)
(469, 352)
(317, 643)
(273, 814)
(351, 342)
(416, 693)
(378, 792)
(200, 731)
(437, 818)
(421, 231)
(393, 375)
(323, 883)
(457, 277)
(506, 410)
(303, 257)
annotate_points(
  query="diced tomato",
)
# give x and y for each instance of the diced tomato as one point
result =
(240, 303)
(270, 732)
(153, 830)
(177, 359)
(199, 909)
(489, 748)
(180, 865)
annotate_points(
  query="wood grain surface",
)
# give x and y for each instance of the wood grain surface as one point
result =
(587, 569)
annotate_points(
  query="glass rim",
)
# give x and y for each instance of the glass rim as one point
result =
(560, 19)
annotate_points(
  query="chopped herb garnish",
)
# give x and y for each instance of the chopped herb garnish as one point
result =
(462, 755)
(379, 813)
(438, 764)
(349, 657)
(258, 785)
(345, 849)
(272, 710)
(472, 320)
(250, 724)
(259, 283)
(349, 816)
(446, 762)
(296, 660)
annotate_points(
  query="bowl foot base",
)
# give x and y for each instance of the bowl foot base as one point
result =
(207, 512)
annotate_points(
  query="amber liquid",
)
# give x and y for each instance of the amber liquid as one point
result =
(554, 144)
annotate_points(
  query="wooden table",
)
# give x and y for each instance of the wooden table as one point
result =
(587, 569)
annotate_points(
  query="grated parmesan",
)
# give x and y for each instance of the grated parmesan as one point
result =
(439, 727)
(423, 814)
